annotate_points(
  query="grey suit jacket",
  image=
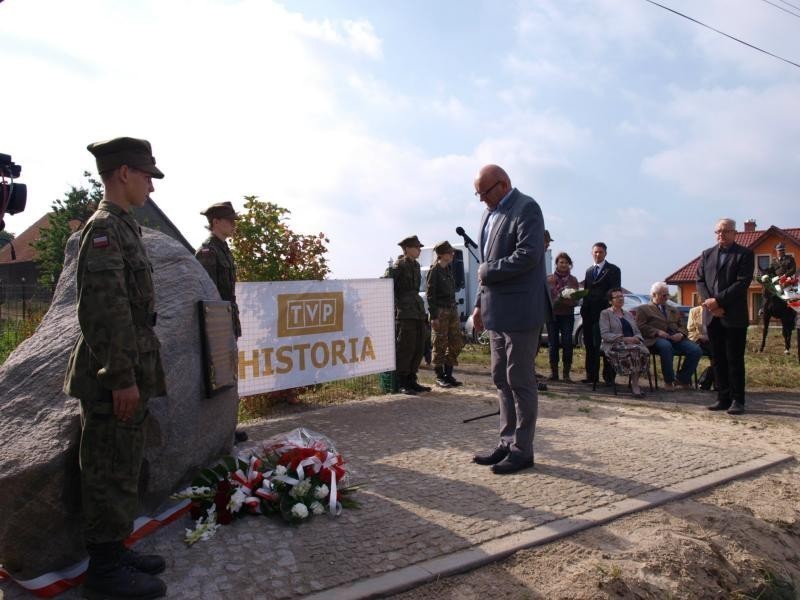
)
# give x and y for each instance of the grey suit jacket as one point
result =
(513, 293)
(611, 328)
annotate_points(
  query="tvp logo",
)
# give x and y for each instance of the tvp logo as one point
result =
(313, 312)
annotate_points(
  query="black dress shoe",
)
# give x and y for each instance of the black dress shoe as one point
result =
(719, 406)
(737, 408)
(541, 386)
(239, 436)
(512, 464)
(495, 457)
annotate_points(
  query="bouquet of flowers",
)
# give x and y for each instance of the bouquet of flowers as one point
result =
(296, 474)
(573, 294)
(784, 287)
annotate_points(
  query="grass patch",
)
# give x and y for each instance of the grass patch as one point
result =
(15, 331)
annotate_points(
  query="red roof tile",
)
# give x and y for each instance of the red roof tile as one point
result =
(22, 243)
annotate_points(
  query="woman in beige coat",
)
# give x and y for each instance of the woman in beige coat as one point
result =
(622, 342)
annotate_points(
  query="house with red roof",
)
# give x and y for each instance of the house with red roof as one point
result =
(762, 242)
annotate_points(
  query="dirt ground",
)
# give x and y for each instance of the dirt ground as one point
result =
(740, 540)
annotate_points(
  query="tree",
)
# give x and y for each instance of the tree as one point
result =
(5, 237)
(265, 249)
(77, 204)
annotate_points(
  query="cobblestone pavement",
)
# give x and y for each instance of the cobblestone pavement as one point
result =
(423, 497)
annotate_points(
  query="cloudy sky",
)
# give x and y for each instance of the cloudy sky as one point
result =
(369, 119)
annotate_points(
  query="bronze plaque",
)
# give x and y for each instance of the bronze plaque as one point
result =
(219, 345)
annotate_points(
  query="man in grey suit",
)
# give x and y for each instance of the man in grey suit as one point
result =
(512, 304)
(723, 278)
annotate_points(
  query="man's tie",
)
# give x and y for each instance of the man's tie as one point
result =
(596, 273)
(664, 310)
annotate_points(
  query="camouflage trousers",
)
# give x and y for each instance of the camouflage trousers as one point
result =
(111, 456)
(409, 345)
(447, 338)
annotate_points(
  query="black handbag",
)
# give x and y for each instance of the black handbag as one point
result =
(706, 379)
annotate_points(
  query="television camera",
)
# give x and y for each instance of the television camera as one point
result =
(12, 195)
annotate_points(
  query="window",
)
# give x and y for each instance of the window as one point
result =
(762, 263)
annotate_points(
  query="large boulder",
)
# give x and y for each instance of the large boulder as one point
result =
(40, 526)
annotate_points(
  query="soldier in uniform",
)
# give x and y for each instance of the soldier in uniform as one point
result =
(441, 295)
(782, 264)
(409, 316)
(217, 260)
(114, 369)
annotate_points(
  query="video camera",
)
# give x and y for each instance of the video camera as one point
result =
(12, 195)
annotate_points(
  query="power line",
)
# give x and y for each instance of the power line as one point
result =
(789, 4)
(779, 7)
(735, 39)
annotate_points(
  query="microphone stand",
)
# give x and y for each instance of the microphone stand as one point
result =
(496, 413)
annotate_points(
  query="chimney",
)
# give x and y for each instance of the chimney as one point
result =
(749, 225)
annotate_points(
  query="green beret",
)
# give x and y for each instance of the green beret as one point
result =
(411, 240)
(133, 152)
(220, 210)
(443, 248)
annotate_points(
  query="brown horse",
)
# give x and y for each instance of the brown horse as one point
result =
(777, 307)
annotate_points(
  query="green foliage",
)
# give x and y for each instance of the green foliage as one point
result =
(77, 204)
(265, 249)
(5, 237)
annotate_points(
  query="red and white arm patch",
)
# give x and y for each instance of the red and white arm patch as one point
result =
(100, 241)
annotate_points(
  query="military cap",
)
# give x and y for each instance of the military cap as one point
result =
(547, 237)
(220, 210)
(411, 240)
(780, 246)
(443, 248)
(133, 152)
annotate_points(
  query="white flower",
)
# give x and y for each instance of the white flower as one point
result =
(236, 501)
(280, 470)
(765, 278)
(321, 492)
(301, 489)
(567, 292)
(317, 508)
(204, 530)
(300, 511)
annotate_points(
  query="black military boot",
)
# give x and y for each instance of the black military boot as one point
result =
(553, 372)
(415, 385)
(109, 577)
(567, 369)
(441, 378)
(448, 374)
(404, 385)
(152, 564)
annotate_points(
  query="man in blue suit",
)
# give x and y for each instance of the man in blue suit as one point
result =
(512, 304)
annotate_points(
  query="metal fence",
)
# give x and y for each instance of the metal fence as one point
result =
(22, 307)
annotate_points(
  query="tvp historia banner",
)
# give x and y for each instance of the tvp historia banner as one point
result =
(297, 333)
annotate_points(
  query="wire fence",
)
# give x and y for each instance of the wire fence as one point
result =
(21, 310)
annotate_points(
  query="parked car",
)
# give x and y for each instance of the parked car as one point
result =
(632, 302)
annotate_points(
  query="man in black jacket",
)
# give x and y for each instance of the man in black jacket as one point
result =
(600, 279)
(723, 277)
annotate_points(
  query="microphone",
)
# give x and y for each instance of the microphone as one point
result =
(467, 240)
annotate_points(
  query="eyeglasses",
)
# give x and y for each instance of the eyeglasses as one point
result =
(618, 297)
(663, 295)
(486, 193)
(721, 231)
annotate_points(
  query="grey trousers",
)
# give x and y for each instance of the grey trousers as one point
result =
(513, 353)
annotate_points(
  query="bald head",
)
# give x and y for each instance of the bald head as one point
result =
(492, 183)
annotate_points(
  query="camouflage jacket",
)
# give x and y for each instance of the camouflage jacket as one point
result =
(782, 266)
(441, 289)
(117, 346)
(216, 258)
(407, 279)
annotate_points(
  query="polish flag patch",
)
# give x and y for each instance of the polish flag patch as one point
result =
(100, 241)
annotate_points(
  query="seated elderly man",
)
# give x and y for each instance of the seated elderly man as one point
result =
(666, 335)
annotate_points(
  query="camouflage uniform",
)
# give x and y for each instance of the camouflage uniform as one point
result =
(116, 349)
(409, 315)
(441, 294)
(216, 258)
(784, 265)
